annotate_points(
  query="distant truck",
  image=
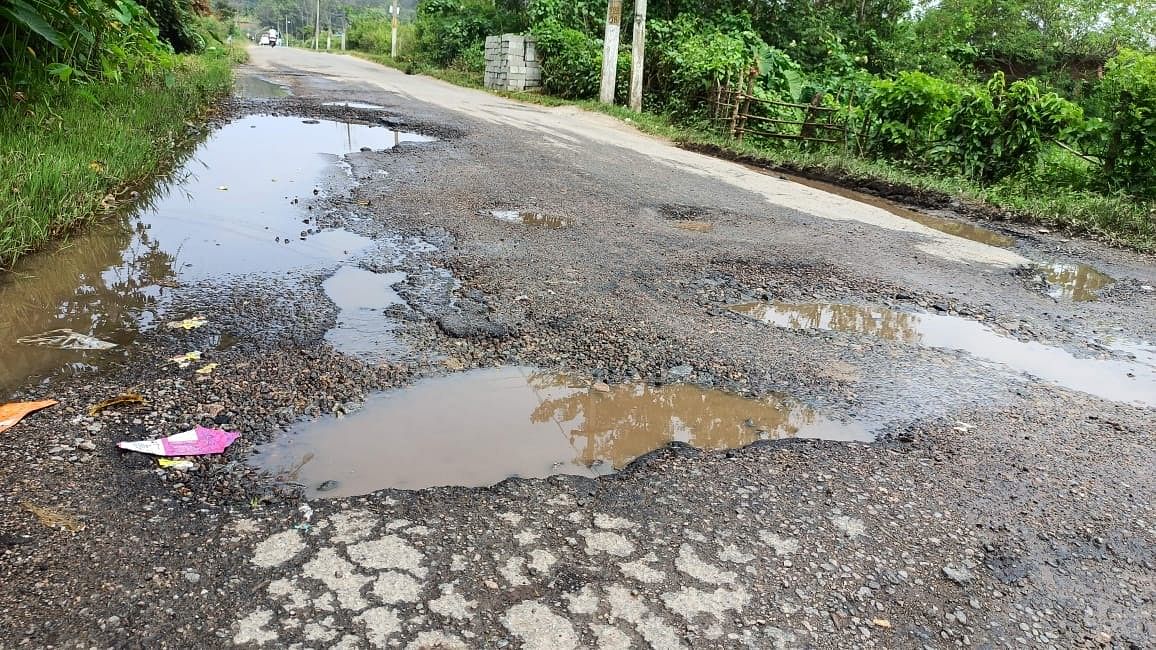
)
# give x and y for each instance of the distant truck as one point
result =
(270, 38)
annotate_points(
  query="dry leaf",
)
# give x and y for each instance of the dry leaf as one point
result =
(53, 518)
(188, 324)
(206, 369)
(184, 360)
(127, 397)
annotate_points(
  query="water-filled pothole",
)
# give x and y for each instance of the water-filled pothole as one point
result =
(361, 105)
(1076, 282)
(530, 218)
(228, 211)
(480, 427)
(362, 329)
(1131, 381)
(249, 87)
(955, 227)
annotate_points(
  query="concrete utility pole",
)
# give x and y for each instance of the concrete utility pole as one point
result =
(610, 51)
(395, 11)
(637, 55)
(317, 28)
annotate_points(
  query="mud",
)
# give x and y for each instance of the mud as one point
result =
(481, 427)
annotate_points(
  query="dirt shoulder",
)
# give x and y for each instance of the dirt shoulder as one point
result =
(994, 510)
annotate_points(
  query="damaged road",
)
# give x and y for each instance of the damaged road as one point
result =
(846, 441)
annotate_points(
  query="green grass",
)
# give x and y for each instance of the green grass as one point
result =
(72, 151)
(1116, 219)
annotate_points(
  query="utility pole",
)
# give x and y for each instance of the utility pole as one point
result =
(637, 55)
(610, 51)
(394, 11)
(329, 35)
(286, 34)
(317, 28)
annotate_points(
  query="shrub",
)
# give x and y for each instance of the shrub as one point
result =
(1127, 97)
(571, 60)
(906, 113)
(452, 31)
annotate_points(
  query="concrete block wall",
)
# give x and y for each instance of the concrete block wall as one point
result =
(512, 63)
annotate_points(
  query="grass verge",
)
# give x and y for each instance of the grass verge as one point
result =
(1116, 219)
(72, 150)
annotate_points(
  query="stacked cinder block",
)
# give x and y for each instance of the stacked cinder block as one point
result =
(512, 63)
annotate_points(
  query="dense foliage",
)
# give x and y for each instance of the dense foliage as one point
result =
(92, 40)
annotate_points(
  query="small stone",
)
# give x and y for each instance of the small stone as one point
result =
(602, 387)
(192, 577)
(112, 621)
(86, 445)
(961, 617)
(883, 623)
(959, 574)
(326, 486)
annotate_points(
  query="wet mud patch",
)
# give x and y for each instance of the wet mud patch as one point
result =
(1131, 380)
(481, 427)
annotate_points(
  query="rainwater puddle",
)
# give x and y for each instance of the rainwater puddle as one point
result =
(480, 427)
(528, 218)
(1077, 282)
(955, 227)
(1115, 380)
(247, 87)
(226, 212)
(362, 329)
(362, 105)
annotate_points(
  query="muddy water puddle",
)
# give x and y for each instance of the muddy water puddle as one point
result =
(249, 87)
(480, 427)
(1131, 381)
(229, 210)
(1075, 282)
(530, 218)
(950, 226)
(363, 330)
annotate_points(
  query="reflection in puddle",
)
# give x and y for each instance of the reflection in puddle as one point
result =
(228, 212)
(1120, 381)
(362, 329)
(1076, 282)
(955, 227)
(362, 105)
(248, 87)
(527, 218)
(480, 427)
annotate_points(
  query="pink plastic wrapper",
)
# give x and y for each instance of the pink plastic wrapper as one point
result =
(197, 442)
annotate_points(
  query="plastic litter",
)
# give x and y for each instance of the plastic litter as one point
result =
(66, 339)
(127, 397)
(195, 442)
(188, 323)
(14, 412)
(172, 463)
(186, 359)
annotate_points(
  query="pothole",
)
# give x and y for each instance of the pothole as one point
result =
(363, 330)
(955, 227)
(232, 209)
(531, 218)
(1132, 381)
(1075, 282)
(249, 87)
(361, 105)
(480, 427)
